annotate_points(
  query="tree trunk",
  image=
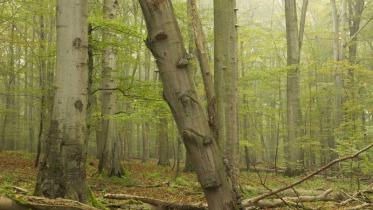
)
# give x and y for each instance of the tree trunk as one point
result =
(294, 162)
(163, 147)
(221, 63)
(145, 125)
(165, 42)
(9, 124)
(62, 169)
(110, 152)
(338, 55)
(203, 60)
(231, 91)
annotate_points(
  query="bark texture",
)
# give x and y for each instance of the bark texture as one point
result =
(166, 43)
(62, 168)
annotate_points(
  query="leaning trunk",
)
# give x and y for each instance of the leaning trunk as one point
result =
(165, 42)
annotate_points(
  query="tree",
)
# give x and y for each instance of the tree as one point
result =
(166, 44)
(163, 142)
(62, 167)
(226, 76)
(8, 132)
(110, 151)
(294, 154)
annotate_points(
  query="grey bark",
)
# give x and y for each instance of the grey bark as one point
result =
(110, 158)
(203, 60)
(62, 168)
(165, 42)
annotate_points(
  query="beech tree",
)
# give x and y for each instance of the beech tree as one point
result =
(110, 150)
(62, 166)
(166, 44)
(294, 152)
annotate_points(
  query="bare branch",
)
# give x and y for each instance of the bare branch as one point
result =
(253, 201)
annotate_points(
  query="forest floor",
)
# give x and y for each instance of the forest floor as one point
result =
(150, 180)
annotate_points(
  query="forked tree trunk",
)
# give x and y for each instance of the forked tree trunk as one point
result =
(62, 168)
(166, 43)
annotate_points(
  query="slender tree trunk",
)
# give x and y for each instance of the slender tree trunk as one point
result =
(294, 162)
(43, 87)
(62, 168)
(145, 126)
(338, 55)
(226, 76)
(221, 63)
(165, 42)
(110, 152)
(9, 123)
(203, 60)
(163, 142)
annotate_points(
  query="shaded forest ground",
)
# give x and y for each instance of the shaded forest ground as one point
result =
(150, 180)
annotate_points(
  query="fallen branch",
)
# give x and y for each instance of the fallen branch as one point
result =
(293, 201)
(361, 206)
(23, 202)
(20, 190)
(369, 189)
(158, 203)
(253, 201)
(265, 203)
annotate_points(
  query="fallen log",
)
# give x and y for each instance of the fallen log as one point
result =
(265, 203)
(158, 203)
(24, 202)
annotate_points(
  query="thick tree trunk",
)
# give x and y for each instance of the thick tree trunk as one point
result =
(62, 168)
(165, 42)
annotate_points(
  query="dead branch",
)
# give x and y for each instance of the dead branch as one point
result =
(265, 203)
(369, 189)
(361, 206)
(20, 190)
(293, 201)
(158, 203)
(23, 202)
(253, 201)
